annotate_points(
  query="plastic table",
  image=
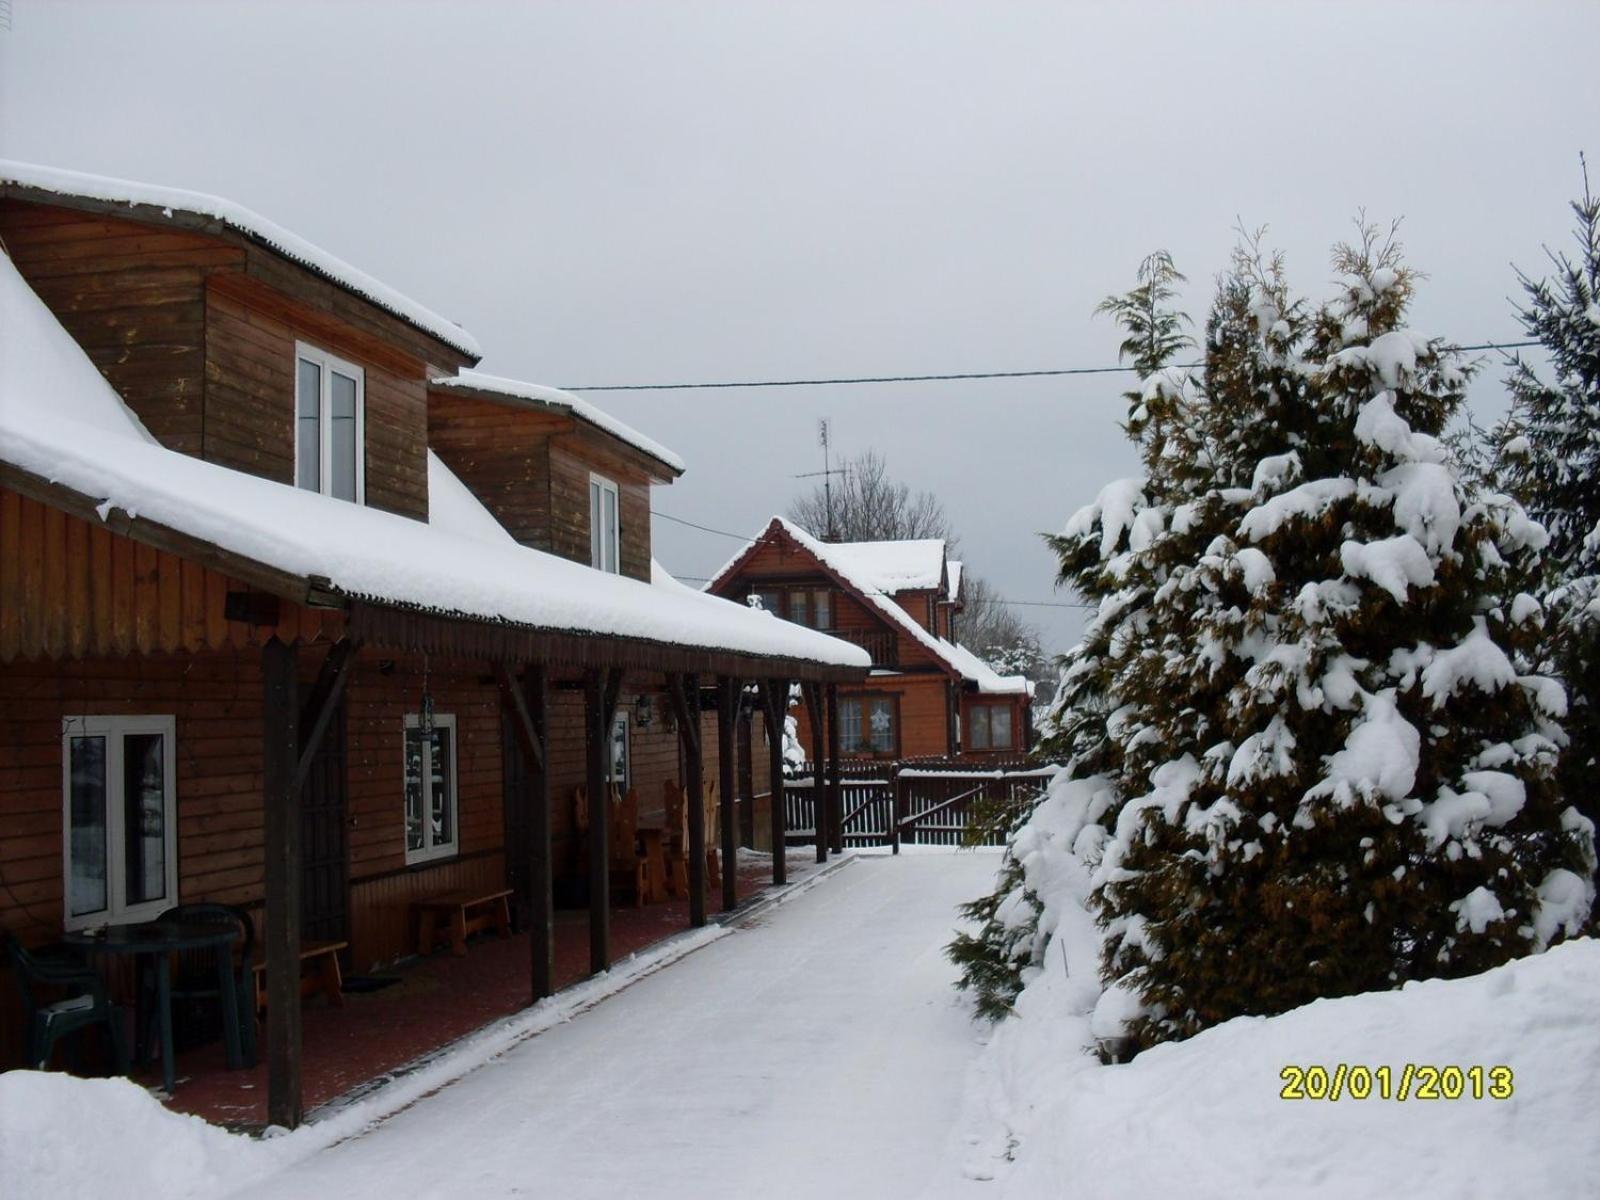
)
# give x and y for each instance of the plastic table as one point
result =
(161, 940)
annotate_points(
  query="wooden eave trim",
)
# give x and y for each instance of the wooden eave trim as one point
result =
(393, 625)
(312, 324)
(417, 630)
(188, 219)
(648, 463)
(164, 537)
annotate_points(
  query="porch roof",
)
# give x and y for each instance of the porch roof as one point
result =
(67, 438)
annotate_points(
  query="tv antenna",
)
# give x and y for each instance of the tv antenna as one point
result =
(827, 473)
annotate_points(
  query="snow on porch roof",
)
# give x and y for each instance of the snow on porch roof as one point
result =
(556, 400)
(856, 567)
(76, 184)
(61, 421)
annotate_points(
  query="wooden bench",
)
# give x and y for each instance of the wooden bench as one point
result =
(324, 977)
(457, 914)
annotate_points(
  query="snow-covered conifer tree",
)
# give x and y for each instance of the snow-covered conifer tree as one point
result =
(1100, 550)
(1345, 783)
(1549, 459)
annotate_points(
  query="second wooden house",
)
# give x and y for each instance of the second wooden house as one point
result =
(927, 696)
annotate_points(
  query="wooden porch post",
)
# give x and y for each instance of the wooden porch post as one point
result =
(745, 745)
(775, 697)
(529, 705)
(601, 688)
(819, 805)
(835, 807)
(541, 876)
(280, 757)
(684, 691)
(727, 716)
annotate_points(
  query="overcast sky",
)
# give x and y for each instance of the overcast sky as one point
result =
(631, 193)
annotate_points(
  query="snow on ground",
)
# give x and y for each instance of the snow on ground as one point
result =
(1204, 1118)
(822, 1051)
(819, 1051)
(140, 1148)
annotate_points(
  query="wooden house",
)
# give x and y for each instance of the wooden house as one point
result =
(260, 644)
(927, 695)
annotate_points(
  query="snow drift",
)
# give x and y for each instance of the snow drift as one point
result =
(1203, 1118)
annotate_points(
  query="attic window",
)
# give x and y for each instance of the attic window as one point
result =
(329, 425)
(604, 525)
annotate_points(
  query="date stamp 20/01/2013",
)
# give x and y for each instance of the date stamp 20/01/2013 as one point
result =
(1413, 1081)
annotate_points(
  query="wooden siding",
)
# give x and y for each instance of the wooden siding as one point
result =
(381, 692)
(250, 338)
(924, 704)
(70, 588)
(502, 453)
(133, 297)
(778, 561)
(531, 470)
(357, 315)
(572, 458)
(196, 331)
(919, 606)
(216, 700)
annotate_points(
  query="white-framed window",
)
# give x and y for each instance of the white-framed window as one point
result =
(991, 727)
(432, 830)
(619, 765)
(119, 798)
(330, 425)
(605, 524)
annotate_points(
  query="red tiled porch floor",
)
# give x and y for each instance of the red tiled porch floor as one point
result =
(439, 998)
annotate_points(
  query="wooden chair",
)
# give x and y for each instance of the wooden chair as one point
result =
(713, 836)
(675, 815)
(629, 872)
(674, 804)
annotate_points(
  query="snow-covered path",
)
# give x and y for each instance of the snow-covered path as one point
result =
(819, 1052)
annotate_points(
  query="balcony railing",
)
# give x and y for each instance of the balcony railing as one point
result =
(881, 644)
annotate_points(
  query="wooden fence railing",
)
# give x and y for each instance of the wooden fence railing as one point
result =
(920, 803)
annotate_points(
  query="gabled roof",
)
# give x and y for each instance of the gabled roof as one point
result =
(953, 592)
(852, 566)
(29, 181)
(549, 399)
(63, 427)
(891, 567)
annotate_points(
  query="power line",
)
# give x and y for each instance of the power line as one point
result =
(873, 379)
(739, 537)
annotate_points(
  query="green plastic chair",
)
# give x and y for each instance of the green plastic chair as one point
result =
(195, 978)
(51, 1020)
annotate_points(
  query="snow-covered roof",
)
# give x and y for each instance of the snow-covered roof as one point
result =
(60, 420)
(169, 201)
(556, 400)
(953, 592)
(989, 681)
(853, 563)
(453, 509)
(889, 567)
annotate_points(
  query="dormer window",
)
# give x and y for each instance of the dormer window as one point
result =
(604, 526)
(329, 425)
